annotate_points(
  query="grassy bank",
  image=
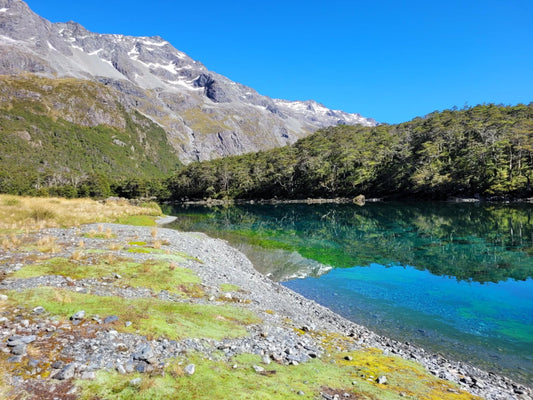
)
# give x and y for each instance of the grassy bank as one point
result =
(21, 214)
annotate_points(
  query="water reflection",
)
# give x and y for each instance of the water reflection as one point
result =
(472, 242)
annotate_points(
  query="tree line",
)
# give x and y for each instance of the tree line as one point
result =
(484, 151)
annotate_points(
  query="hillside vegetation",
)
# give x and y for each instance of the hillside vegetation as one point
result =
(73, 138)
(484, 151)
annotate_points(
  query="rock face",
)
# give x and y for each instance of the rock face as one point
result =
(205, 114)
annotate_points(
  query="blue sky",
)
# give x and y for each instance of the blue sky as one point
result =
(389, 60)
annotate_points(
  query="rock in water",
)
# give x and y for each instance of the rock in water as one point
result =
(359, 200)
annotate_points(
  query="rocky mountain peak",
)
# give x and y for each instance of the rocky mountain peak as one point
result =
(205, 114)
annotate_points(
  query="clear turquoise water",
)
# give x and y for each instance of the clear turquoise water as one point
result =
(453, 278)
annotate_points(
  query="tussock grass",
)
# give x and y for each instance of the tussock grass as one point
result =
(115, 246)
(48, 244)
(11, 242)
(77, 255)
(19, 214)
(42, 214)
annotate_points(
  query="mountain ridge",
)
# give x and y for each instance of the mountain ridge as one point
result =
(205, 114)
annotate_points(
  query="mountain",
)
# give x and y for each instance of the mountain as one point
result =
(205, 115)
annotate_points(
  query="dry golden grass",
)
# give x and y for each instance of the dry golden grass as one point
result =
(110, 259)
(153, 232)
(77, 255)
(48, 244)
(115, 246)
(25, 214)
(11, 242)
(157, 244)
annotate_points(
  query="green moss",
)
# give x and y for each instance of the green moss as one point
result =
(226, 287)
(99, 235)
(150, 317)
(141, 250)
(220, 380)
(154, 275)
(137, 243)
(137, 220)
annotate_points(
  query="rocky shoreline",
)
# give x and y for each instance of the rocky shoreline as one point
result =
(84, 345)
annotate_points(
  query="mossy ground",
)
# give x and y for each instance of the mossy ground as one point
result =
(152, 274)
(226, 287)
(150, 317)
(237, 379)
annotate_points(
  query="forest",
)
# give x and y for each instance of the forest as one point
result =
(484, 151)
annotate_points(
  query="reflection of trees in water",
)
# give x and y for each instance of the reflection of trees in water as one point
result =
(483, 243)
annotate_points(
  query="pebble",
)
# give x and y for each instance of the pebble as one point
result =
(19, 350)
(111, 318)
(258, 369)
(58, 364)
(66, 372)
(136, 382)
(88, 375)
(78, 316)
(190, 369)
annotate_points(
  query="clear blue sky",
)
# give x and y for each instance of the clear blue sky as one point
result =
(389, 60)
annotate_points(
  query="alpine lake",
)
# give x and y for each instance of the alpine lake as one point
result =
(453, 278)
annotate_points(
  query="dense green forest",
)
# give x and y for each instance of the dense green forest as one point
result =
(485, 150)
